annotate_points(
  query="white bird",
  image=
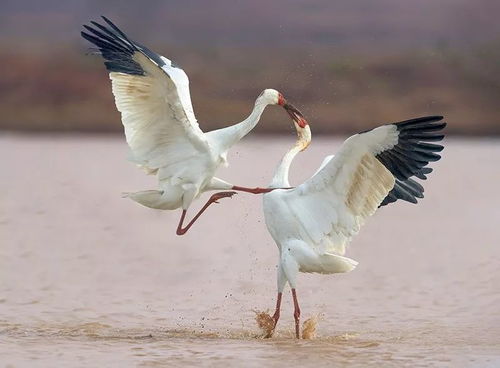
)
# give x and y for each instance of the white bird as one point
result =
(152, 94)
(313, 222)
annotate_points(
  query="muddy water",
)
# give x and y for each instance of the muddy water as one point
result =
(90, 279)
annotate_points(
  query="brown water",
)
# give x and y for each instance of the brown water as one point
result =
(90, 279)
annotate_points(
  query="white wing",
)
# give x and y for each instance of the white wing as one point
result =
(332, 205)
(153, 97)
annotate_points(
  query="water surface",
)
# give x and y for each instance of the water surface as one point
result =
(90, 279)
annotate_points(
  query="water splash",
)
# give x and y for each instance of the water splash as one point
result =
(309, 328)
(265, 323)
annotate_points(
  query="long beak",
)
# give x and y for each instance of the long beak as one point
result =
(295, 114)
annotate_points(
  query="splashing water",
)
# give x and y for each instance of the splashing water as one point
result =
(154, 299)
(309, 328)
(265, 323)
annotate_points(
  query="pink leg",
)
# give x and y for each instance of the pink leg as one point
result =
(296, 314)
(276, 315)
(213, 199)
(252, 190)
(255, 190)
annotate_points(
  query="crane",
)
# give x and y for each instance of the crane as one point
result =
(152, 94)
(313, 222)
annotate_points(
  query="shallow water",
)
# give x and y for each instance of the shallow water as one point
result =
(90, 279)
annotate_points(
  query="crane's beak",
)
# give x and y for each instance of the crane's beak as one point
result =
(295, 114)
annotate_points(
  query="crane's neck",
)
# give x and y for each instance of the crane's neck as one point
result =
(280, 178)
(229, 136)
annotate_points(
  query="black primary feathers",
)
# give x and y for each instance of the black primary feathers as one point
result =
(407, 159)
(117, 49)
(410, 156)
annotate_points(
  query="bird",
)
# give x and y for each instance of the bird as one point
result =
(313, 222)
(152, 94)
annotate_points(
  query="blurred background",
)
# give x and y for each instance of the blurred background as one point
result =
(90, 279)
(348, 65)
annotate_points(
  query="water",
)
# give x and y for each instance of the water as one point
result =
(90, 279)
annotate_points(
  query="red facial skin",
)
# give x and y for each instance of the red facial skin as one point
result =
(281, 100)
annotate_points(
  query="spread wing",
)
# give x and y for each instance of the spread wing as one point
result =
(371, 169)
(152, 94)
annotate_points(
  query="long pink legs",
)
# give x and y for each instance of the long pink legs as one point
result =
(296, 314)
(276, 315)
(213, 199)
(252, 190)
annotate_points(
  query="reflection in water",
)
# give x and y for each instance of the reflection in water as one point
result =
(90, 279)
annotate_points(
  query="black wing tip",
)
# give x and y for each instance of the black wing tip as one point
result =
(110, 23)
(113, 30)
(410, 156)
(121, 39)
(95, 23)
(114, 46)
(407, 190)
(415, 122)
(88, 28)
(429, 118)
(435, 117)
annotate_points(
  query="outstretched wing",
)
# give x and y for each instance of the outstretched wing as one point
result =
(152, 94)
(371, 169)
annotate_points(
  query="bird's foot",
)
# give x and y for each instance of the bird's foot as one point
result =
(220, 195)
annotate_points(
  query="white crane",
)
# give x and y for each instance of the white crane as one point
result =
(312, 223)
(152, 94)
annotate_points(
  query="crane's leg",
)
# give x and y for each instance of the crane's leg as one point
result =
(213, 199)
(276, 315)
(281, 282)
(252, 190)
(296, 314)
(219, 184)
(256, 190)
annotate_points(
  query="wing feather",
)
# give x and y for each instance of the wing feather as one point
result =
(152, 95)
(371, 169)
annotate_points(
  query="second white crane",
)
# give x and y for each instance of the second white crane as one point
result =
(313, 223)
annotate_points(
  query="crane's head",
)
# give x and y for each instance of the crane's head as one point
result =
(272, 97)
(301, 125)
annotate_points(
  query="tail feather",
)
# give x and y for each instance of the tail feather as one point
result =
(333, 263)
(152, 199)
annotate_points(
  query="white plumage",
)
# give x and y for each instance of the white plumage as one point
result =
(313, 223)
(152, 95)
